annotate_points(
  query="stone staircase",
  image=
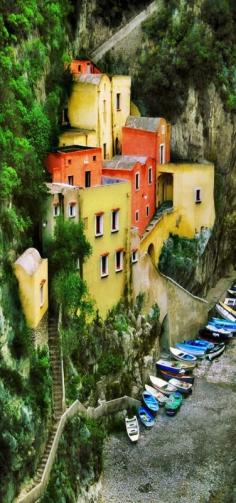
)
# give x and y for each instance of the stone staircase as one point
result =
(57, 368)
(38, 476)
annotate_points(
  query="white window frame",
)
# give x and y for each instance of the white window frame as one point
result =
(117, 214)
(137, 178)
(106, 273)
(134, 256)
(72, 206)
(137, 215)
(150, 175)
(118, 269)
(56, 210)
(164, 153)
(98, 234)
(198, 200)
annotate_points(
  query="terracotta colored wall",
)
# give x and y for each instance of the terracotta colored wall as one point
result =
(138, 142)
(141, 198)
(62, 165)
(84, 68)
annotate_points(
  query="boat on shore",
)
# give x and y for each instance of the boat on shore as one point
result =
(212, 335)
(146, 417)
(162, 386)
(132, 428)
(225, 313)
(182, 377)
(173, 403)
(182, 356)
(150, 402)
(198, 351)
(228, 308)
(176, 367)
(157, 394)
(183, 387)
(217, 351)
(225, 323)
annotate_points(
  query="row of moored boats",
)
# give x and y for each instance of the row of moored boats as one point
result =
(175, 376)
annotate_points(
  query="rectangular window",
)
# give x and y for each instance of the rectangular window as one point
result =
(147, 211)
(118, 101)
(72, 210)
(119, 260)
(134, 256)
(94, 157)
(162, 154)
(69, 161)
(71, 180)
(137, 181)
(115, 220)
(88, 68)
(198, 196)
(99, 225)
(136, 216)
(79, 68)
(87, 178)
(149, 176)
(104, 265)
(104, 150)
(56, 210)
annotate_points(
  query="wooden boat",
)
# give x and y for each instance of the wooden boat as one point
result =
(146, 417)
(218, 350)
(232, 292)
(173, 403)
(180, 355)
(229, 309)
(224, 313)
(218, 328)
(198, 351)
(210, 335)
(230, 302)
(157, 394)
(176, 367)
(162, 386)
(182, 377)
(132, 428)
(226, 323)
(183, 387)
(150, 402)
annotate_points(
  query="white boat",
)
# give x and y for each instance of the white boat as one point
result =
(162, 399)
(224, 313)
(182, 356)
(162, 386)
(216, 353)
(132, 428)
(182, 386)
(229, 309)
(230, 302)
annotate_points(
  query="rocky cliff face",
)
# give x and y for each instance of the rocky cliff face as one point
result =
(205, 131)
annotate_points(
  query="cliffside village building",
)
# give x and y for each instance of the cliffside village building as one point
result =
(112, 170)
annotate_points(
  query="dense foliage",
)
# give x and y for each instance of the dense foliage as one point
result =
(33, 38)
(185, 45)
(178, 258)
(79, 460)
(112, 11)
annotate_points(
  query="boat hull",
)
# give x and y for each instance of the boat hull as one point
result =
(145, 417)
(185, 378)
(182, 356)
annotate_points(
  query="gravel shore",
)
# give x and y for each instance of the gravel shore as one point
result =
(189, 458)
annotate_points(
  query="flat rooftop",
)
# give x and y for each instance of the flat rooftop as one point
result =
(124, 162)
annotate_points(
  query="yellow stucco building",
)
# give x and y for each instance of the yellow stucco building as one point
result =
(105, 211)
(185, 198)
(97, 110)
(32, 274)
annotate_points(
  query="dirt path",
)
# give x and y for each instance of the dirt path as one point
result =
(189, 458)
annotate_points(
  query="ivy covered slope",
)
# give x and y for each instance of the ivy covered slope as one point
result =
(34, 36)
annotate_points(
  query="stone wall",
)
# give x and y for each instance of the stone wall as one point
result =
(183, 313)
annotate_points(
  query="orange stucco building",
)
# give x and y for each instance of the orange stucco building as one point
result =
(76, 165)
(78, 66)
(141, 173)
(147, 136)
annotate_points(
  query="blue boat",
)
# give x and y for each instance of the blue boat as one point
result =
(150, 402)
(198, 351)
(146, 417)
(224, 323)
(199, 343)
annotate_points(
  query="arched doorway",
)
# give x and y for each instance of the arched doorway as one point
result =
(151, 253)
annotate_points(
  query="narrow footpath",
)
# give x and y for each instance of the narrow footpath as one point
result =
(189, 458)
